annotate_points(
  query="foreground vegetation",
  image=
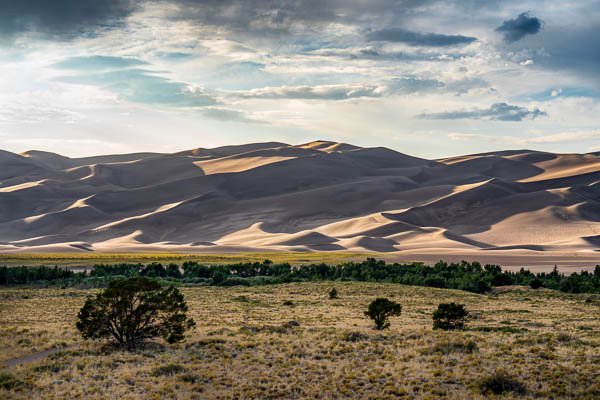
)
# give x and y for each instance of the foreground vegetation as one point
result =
(471, 277)
(294, 341)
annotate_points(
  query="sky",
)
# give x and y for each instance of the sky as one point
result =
(428, 78)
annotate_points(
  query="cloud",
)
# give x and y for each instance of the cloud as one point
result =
(374, 53)
(320, 92)
(97, 63)
(568, 91)
(228, 114)
(517, 28)
(343, 91)
(564, 137)
(418, 39)
(61, 17)
(19, 113)
(561, 137)
(496, 112)
(573, 48)
(133, 84)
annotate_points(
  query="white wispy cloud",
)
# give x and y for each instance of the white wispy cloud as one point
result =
(553, 138)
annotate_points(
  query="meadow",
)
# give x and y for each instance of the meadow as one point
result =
(293, 341)
(78, 260)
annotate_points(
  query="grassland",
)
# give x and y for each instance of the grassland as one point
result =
(89, 259)
(245, 347)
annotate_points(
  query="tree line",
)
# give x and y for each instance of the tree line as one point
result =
(468, 276)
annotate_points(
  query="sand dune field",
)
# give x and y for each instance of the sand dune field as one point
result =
(522, 206)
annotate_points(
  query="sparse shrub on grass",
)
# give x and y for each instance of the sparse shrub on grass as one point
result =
(380, 310)
(9, 382)
(450, 316)
(567, 338)
(291, 324)
(54, 368)
(501, 382)
(288, 303)
(457, 346)
(503, 329)
(132, 310)
(354, 337)
(169, 370)
(189, 378)
(333, 294)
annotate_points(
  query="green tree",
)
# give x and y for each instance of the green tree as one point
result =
(380, 310)
(449, 316)
(132, 310)
(536, 283)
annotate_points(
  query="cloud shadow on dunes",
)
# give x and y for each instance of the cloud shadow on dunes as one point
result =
(478, 209)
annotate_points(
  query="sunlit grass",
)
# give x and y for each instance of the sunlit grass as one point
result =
(87, 259)
(245, 347)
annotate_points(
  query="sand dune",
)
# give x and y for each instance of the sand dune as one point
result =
(315, 196)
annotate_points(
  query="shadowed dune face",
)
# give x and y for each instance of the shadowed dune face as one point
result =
(316, 196)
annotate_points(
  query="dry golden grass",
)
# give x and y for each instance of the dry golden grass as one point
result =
(243, 347)
(88, 259)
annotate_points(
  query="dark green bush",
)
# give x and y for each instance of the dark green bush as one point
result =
(536, 283)
(472, 277)
(501, 382)
(132, 310)
(380, 310)
(449, 316)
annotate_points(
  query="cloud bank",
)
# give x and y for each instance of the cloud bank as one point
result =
(496, 112)
(419, 39)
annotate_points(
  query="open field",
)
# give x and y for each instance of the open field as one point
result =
(89, 259)
(243, 346)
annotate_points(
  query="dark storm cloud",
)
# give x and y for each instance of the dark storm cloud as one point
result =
(515, 29)
(496, 112)
(61, 17)
(418, 39)
(70, 18)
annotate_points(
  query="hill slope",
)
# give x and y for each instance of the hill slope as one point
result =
(316, 196)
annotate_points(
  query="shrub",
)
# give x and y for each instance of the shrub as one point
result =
(9, 382)
(536, 283)
(290, 324)
(333, 293)
(132, 310)
(380, 310)
(449, 316)
(354, 337)
(500, 382)
(169, 370)
(288, 303)
(467, 347)
(218, 277)
(189, 378)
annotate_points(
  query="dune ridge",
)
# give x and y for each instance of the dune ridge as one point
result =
(316, 196)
